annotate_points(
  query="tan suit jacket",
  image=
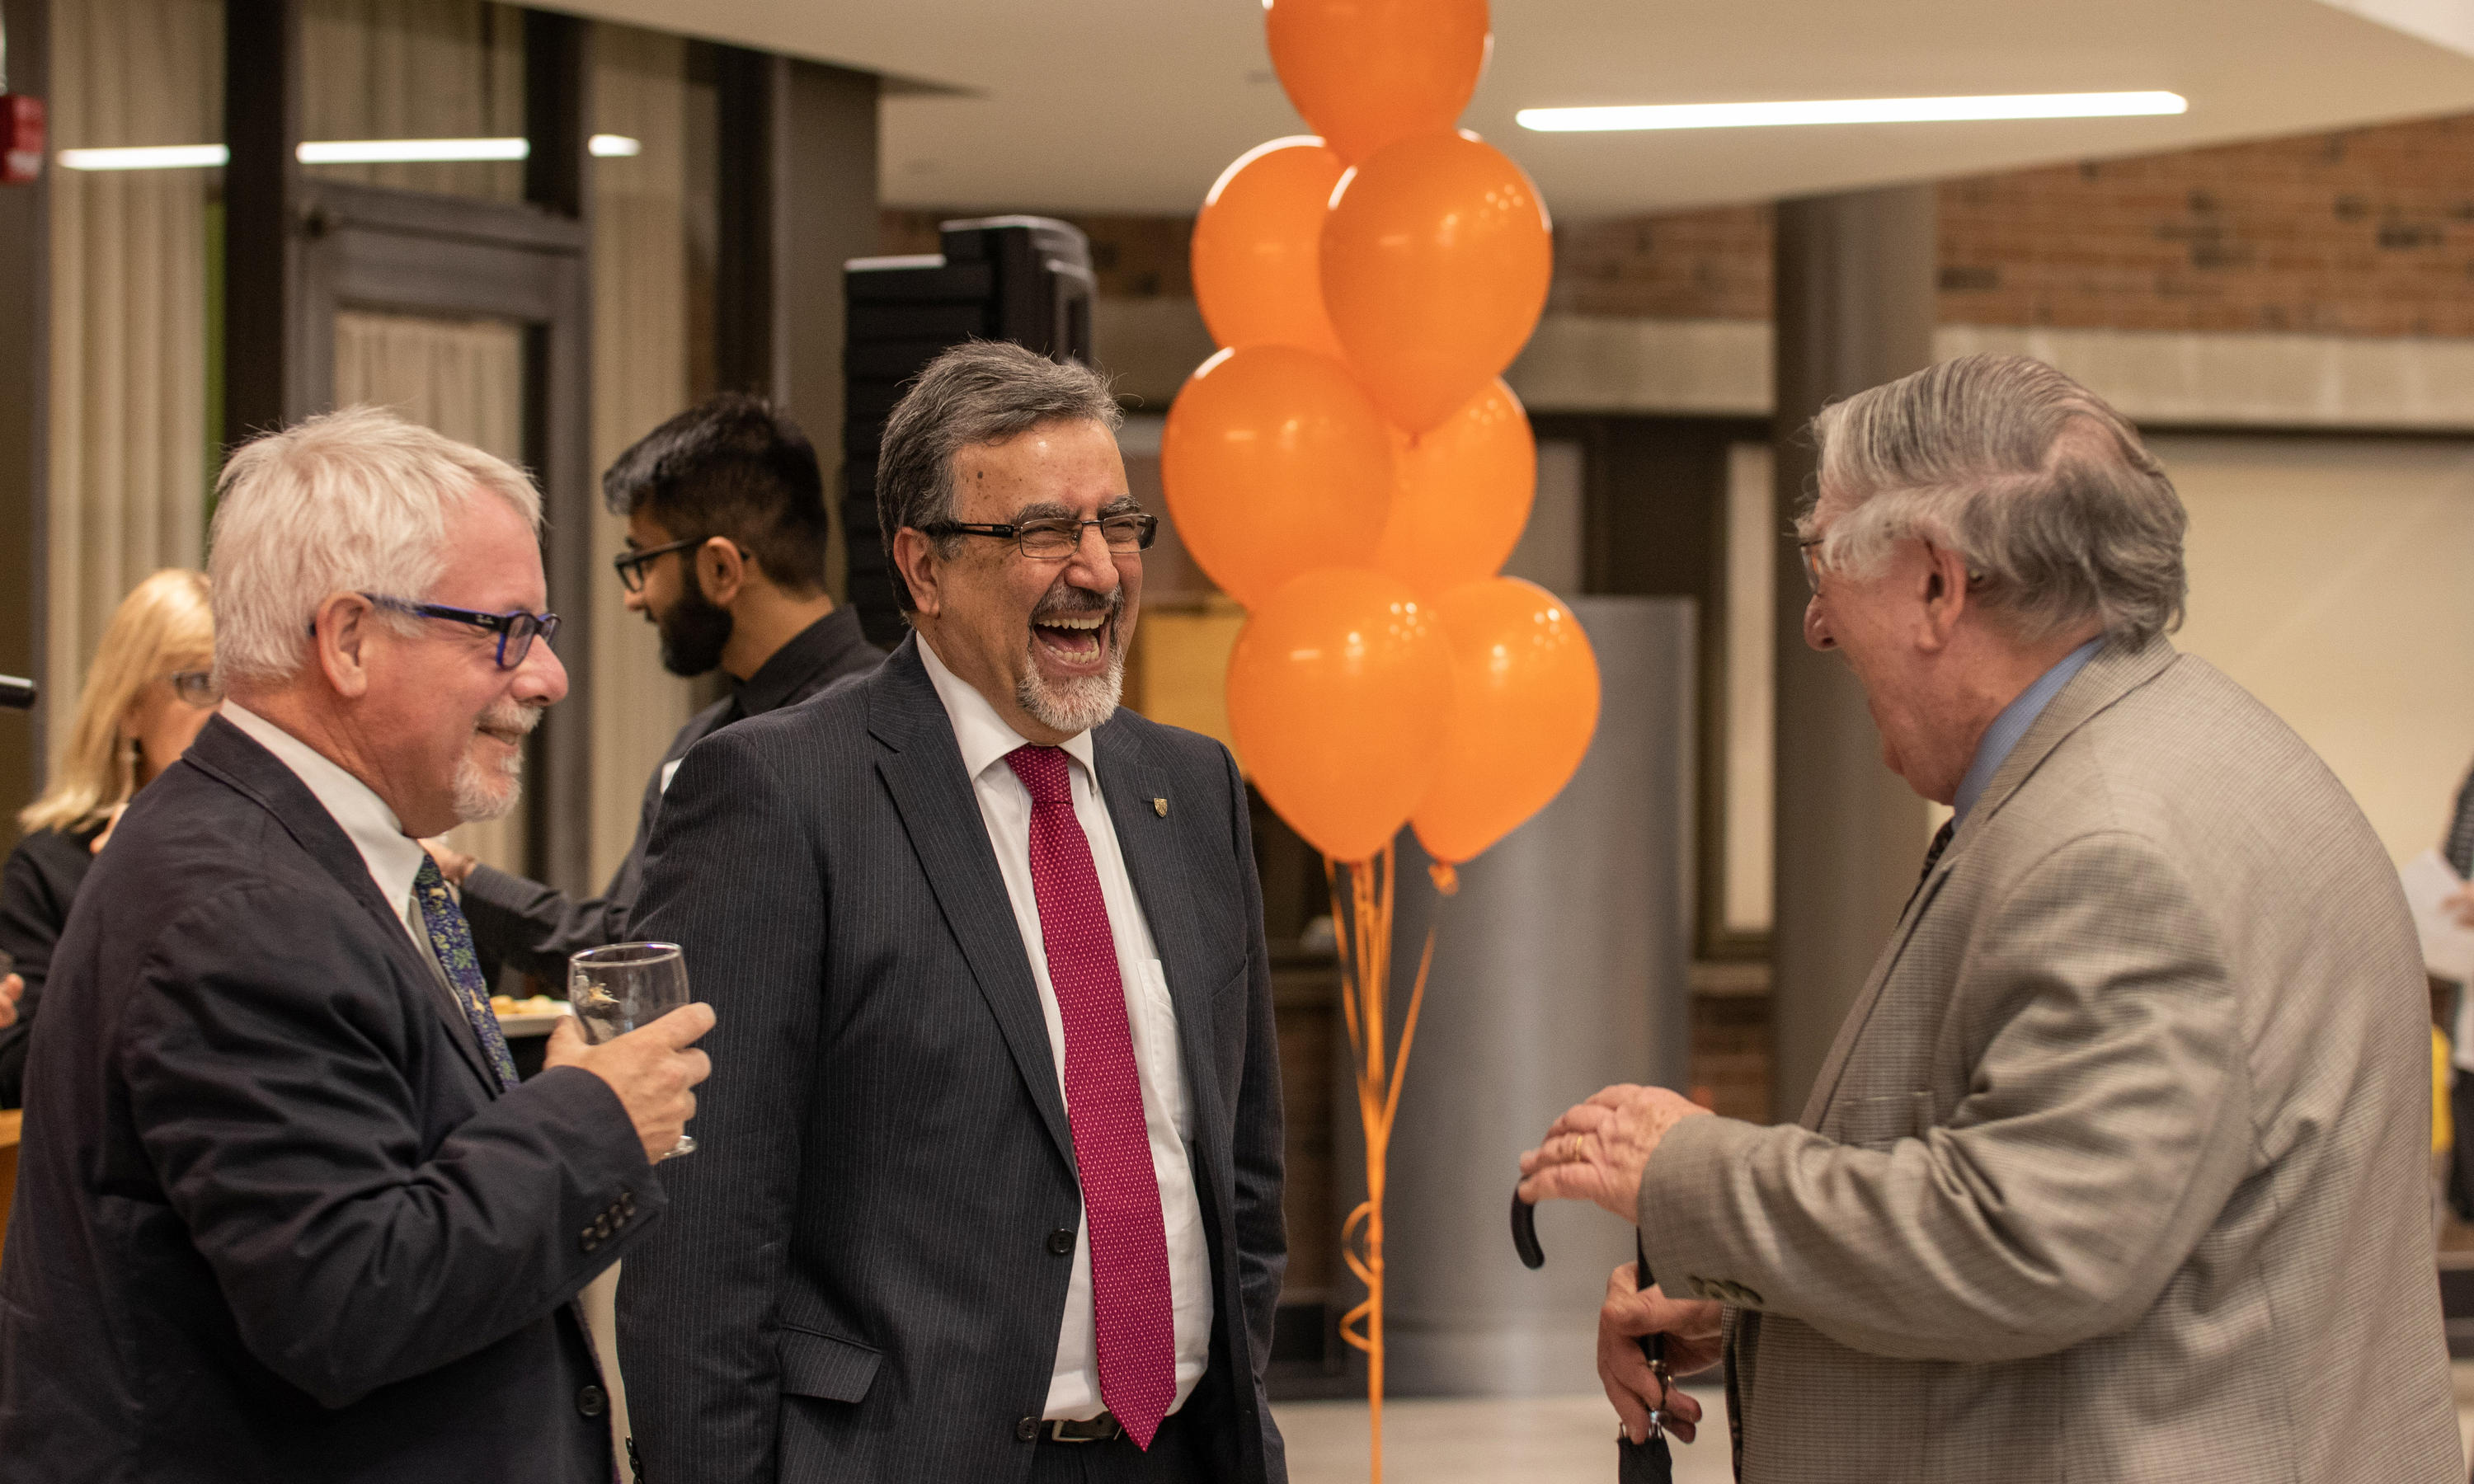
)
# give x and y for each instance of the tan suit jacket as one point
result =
(2118, 1168)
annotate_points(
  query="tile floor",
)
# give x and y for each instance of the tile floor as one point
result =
(1530, 1441)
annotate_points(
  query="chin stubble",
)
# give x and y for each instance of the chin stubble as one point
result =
(489, 791)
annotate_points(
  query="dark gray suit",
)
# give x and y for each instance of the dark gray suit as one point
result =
(274, 1220)
(535, 928)
(858, 1281)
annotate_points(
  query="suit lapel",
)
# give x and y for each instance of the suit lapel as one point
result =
(2117, 670)
(922, 768)
(234, 757)
(1130, 781)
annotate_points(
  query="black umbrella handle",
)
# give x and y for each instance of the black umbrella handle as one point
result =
(1653, 1347)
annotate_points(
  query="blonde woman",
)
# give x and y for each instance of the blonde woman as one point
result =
(150, 689)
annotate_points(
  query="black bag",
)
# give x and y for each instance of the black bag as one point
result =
(1649, 1462)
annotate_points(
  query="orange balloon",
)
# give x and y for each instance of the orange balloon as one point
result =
(1460, 494)
(1274, 462)
(1525, 701)
(1367, 72)
(1435, 264)
(1339, 689)
(1257, 251)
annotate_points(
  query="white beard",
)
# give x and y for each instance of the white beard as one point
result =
(1075, 706)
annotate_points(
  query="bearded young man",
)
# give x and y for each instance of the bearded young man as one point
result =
(995, 1191)
(725, 558)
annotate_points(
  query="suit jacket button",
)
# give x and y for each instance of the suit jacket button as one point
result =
(1027, 1429)
(590, 1402)
(588, 1242)
(1061, 1241)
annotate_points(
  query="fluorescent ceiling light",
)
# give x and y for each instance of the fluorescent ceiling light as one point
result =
(333, 152)
(154, 157)
(1852, 111)
(406, 152)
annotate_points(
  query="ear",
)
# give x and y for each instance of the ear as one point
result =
(723, 569)
(914, 555)
(1944, 581)
(343, 642)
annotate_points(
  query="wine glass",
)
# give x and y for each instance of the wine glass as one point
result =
(626, 986)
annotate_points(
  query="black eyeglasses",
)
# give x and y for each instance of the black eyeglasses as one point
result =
(1049, 540)
(630, 563)
(196, 687)
(515, 631)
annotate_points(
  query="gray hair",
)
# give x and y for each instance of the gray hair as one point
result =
(2046, 490)
(980, 391)
(350, 501)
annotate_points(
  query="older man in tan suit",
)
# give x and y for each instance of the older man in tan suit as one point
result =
(2117, 1170)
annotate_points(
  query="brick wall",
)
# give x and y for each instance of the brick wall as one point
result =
(2369, 231)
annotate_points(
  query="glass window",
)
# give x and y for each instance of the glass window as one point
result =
(420, 95)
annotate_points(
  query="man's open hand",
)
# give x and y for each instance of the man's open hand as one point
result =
(11, 990)
(1597, 1151)
(652, 1069)
(1692, 1345)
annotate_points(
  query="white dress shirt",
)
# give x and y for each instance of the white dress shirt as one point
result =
(1005, 807)
(393, 857)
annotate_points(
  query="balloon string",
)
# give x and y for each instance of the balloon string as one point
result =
(1362, 932)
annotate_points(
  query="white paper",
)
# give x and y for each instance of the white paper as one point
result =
(2447, 948)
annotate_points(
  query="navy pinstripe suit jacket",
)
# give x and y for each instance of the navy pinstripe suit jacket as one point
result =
(854, 1281)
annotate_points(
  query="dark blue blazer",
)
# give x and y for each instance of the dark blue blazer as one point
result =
(273, 1220)
(856, 1280)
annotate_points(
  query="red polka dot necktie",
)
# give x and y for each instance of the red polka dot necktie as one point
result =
(1104, 1101)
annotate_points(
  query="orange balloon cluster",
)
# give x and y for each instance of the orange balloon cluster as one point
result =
(1351, 468)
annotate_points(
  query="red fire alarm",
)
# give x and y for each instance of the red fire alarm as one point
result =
(21, 139)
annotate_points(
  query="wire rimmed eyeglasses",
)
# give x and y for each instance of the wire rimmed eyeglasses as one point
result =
(1049, 540)
(1805, 548)
(196, 687)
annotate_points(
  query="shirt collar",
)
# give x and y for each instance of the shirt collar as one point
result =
(393, 857)
(983, 735)
(2008, 728)
(810, 653)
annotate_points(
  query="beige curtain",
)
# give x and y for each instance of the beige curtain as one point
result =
(129, 291)
(640, 378)
(415, 69)
(465, 378)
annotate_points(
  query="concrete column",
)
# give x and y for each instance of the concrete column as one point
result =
(1854, 308)
(1559, 969)
(798, 197)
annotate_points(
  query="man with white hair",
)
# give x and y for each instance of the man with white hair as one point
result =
(288, 1214)
(2118, 1168)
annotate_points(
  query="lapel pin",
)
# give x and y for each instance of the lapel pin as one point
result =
(1159, 806)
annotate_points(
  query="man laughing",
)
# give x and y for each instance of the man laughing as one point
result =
(996, 1192)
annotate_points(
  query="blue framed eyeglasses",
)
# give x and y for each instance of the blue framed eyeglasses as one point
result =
(515, 631)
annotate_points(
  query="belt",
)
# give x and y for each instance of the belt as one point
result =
(1103, 1428)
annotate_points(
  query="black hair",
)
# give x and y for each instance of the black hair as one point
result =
(731, 466)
